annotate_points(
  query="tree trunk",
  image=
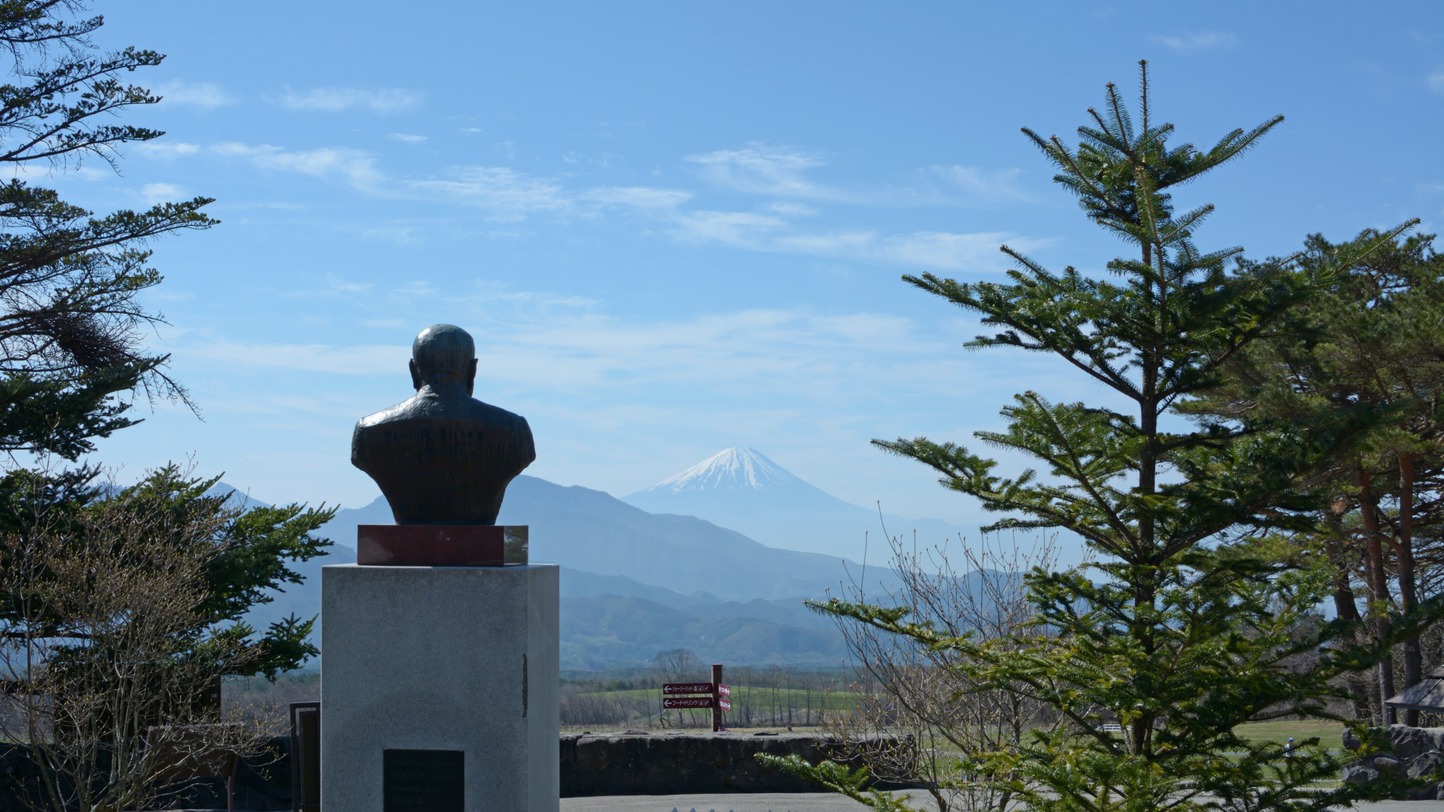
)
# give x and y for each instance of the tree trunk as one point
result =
(1408, 596)
(1346, 604)
(1378, 608)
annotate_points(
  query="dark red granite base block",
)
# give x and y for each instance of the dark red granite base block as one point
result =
(425, 545)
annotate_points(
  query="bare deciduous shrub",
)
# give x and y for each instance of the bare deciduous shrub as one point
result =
(921, 713)
(110, 680)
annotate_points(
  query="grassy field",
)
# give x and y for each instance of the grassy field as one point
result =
(796, 697)
(1329, 734)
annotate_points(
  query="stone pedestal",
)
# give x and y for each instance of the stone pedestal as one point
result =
(439, 682)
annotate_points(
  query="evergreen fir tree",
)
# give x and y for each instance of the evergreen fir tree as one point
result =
(1185, 625)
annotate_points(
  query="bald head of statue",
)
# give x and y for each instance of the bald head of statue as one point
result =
(443, 457)
(443, 355)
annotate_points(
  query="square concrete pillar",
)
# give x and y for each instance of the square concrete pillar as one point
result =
(439, 684)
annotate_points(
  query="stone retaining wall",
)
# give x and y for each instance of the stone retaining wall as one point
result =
(636, 763)
(631, 763)
(1413, 754)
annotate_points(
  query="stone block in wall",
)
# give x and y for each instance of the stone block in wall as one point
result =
(682, 763)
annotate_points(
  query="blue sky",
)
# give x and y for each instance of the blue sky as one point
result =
(678, 227)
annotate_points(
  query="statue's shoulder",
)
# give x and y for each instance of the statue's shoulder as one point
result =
(404, 410)
(495, 414)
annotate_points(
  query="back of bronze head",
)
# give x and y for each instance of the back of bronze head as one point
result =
(443, 354)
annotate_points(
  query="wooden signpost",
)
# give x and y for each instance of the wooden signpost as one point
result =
(715, 695)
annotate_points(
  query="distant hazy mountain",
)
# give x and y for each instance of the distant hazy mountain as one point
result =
(593, 532)
(634, 583)
(743, 490)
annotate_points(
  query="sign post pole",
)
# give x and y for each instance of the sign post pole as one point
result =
(716, 697)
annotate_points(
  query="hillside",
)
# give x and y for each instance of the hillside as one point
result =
(634, 583)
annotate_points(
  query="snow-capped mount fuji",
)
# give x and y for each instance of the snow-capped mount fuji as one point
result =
(743, 490)
(733, 469)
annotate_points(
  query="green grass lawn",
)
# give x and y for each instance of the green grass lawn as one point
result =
(1329, 734)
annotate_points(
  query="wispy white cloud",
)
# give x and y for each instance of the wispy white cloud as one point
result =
(201, 95)
(160, 192)
(165, 149)
(337, 286)
(532, 301)
(504, 192)
(1198, 41)
(951, 251)
(975, 252)
(740, 229)
(407, 138)
(759, 168)
(645, 198)
(600, 161)
(45, 172)
(342, 99)
(351, 166)
(732, 360)
(363, 359)
(787, 208)
(354, 167)
(982, 185)
(394, 233)
(739, 356)
(1436, 81)
(781, 225)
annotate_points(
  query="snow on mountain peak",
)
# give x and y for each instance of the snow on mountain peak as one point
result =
(731, 469)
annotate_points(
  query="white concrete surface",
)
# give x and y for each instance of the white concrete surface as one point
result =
(441, 658)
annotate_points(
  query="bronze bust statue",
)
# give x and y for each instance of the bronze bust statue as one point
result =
(443, 457)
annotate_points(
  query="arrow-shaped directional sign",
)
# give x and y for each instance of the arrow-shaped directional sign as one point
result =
(686, 688)
(687, 702)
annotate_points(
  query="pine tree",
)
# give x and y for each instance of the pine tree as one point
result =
(70, 322)
(1191, 618)
(1368, 342)
(72, 360)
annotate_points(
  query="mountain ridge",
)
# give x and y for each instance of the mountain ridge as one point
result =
(635, 582)
(784, 511)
